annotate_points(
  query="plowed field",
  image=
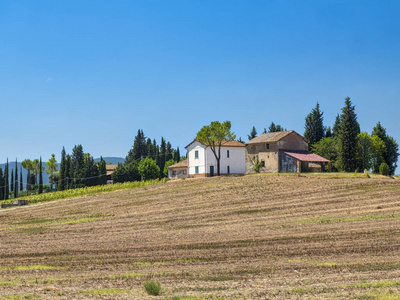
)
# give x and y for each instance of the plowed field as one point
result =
(254, 237)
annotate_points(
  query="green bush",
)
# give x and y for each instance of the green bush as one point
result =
(152, 287)
(384, 169)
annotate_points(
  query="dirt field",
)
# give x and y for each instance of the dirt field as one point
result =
(253, 237)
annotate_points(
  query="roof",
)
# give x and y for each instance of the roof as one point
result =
(181, 164)
(223, 144)
(272, 137)
(110, 169)
(305, 156)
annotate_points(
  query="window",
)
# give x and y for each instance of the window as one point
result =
(173, 173)
(227, 153)
(196, 154)
(228, 169)
(267, 146)
(196, 170)
(263, 163)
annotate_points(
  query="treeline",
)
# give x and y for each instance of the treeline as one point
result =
(346, 146)
(79, 170)
(146, 160)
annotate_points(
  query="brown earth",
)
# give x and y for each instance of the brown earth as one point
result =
(328, 236)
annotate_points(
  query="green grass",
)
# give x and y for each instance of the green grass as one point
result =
(114, 291)
(87, 191)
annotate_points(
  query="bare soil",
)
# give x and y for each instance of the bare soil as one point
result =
(328, 236)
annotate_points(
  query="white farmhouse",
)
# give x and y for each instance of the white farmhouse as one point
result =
(202, 162)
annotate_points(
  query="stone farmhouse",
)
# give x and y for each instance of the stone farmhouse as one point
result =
(178, 170)
(283, 151)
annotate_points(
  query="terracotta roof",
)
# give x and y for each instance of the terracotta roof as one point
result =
(305, 156)
(181, 164)
(272, 137)
(223, 144)
(110, 169)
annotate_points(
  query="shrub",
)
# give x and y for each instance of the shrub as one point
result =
(384, 169)
(152, 287)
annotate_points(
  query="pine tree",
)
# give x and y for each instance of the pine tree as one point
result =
(253, 133)
(347, 138)
(40, 190)
(314, 127)
(150, 149)
(328, 132)
(16, 180)
(274, 128)
(139, 149)
(336, 126)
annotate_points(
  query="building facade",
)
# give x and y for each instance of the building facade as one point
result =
(283, 151)
(202, 161)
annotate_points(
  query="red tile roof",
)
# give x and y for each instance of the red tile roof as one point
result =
(181, 164)
(305, 156)
(272, 137)
(223, 144)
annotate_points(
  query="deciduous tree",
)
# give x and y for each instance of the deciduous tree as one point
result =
(213, 135)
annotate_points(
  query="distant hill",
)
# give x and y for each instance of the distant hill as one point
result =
(112, 160)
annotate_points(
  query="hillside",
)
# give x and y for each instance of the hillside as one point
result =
(254, 237)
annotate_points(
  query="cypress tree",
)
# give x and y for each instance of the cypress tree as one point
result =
(16, 180)
(347, 138)
(102, 171)
(1, 185)
(21, 183)
(163, 149)
(40, 177)
(61, 181)
(67, 173)
(139, 149)
(177, 155)
(314, 127)
(253, 133)
(6, 182)
(12, 182)
(168, 152)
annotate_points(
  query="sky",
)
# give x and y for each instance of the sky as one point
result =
(94, 72)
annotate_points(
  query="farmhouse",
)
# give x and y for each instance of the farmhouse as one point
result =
(178, 170)
(201, 161)
(283, 151)
(110, 170)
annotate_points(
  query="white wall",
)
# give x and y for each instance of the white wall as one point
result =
(192, 161)
(236, 160)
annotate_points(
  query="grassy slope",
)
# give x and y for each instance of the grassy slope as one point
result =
(261, 236)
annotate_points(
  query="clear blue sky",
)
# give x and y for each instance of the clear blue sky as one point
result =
(94, 72)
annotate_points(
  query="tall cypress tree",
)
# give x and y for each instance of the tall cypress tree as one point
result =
(61, 180)
(1, 185)
(163, 149)
(314, 127)
(12, 182)
(102, 171)
(6, 182)
(347, 138)
(40, 177)
(177, 155)
(168, 152)
(16, 180)
(21, 182)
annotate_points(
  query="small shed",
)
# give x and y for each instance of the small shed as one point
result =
(178, 170)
